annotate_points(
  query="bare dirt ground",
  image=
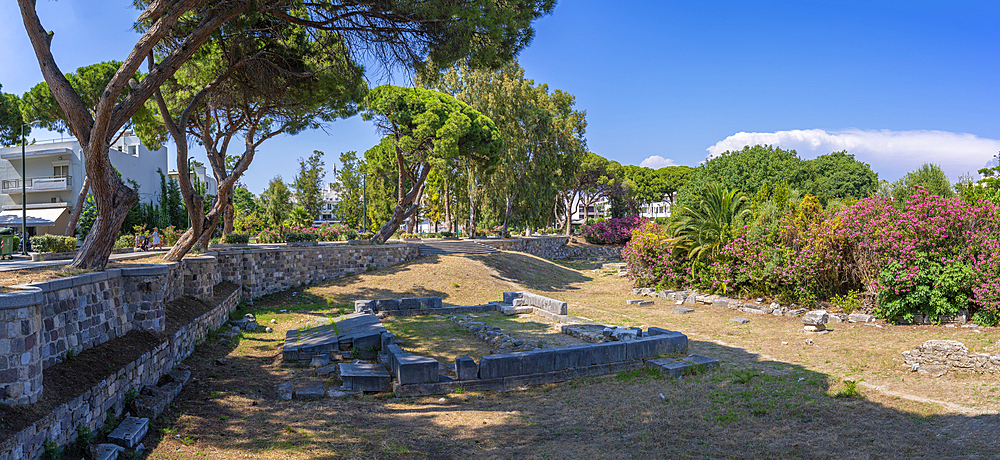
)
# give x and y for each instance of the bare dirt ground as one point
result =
(779, 393)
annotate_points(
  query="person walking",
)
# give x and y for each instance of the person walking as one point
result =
(156, 239)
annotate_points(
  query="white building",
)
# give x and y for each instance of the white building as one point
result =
(53, 175)
(199, 174)
(328, 210)
(656, 210)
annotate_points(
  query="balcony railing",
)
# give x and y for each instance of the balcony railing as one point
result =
(38, 184)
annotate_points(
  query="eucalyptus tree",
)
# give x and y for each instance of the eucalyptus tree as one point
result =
(426, 129)
(404, 32)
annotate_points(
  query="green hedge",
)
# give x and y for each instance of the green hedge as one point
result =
(236, 238)
(53, 243)
(297, 237)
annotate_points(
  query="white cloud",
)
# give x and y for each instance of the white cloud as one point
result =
(890, 153)
(656, 162)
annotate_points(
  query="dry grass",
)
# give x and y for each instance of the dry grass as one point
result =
(770, 400)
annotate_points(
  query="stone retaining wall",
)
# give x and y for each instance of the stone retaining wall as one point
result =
(553, 247)
(89, 408)
(950, 355)
(263, 271)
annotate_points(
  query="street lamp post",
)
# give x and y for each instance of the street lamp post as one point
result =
(24, 192)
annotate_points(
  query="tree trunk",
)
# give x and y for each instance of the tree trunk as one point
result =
(447, 209)
(404, 208)
(81, 198)
(113, 202)
(228, 216)
(190, 237)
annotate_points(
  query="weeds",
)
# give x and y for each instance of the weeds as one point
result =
(52, 451)
(850, 390)
(745, 376)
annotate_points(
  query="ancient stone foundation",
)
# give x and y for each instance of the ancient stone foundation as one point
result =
(45, 323)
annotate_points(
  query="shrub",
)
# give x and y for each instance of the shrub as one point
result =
(53, 243)
(236, 238)
(270, 236)
(125, 241)
(447, 234)
(170, 235)
(296, 237)
(611, 231)
(366, 235)
(410, 235)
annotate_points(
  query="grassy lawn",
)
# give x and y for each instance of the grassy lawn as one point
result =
(779, 394)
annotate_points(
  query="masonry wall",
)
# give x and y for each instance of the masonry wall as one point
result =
(89, 408)
(554, 247)
(263, 271)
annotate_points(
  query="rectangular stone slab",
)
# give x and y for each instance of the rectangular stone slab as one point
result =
(570, 357)
(416, 369)
(537, 361)
(669, 367)
(498, 366)
(608, 352)
(364, 377)
(130, 432)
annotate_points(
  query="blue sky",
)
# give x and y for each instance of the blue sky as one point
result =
(895, 83)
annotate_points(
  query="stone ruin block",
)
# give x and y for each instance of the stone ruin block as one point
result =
(466, 368)
(570, 357)
(608, 352)
(508, 297)
(130, 432)
(502, 365)
(386, 305)
(416, 369)
(361, 306)
(537, 361)
(364, 377)
(410, 303)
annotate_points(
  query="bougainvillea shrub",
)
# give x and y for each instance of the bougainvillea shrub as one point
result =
(931, 256)
(612, 231)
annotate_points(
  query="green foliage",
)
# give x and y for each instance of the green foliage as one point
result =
(985, 318)
(850, 390)
(937, 289)
(832, 176)
(90, 82)
(838, 175)
(125, 241)
(298, 217)
(848, 302)
(275, 201)
(929, 176)
(10, 120)
(53, 243)
(349, 185)
(84, 435)
(308, 184)
(703, 229)
(745, 170)
(236, 238)
(300, 237)
(51, 450)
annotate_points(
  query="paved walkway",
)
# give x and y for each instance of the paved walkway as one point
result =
(20, 262)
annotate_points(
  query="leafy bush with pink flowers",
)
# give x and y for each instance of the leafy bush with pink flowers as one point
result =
(612, 231)
(930, 256)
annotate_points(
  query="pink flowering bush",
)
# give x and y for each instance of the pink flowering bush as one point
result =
(932, 256)
(612, 231)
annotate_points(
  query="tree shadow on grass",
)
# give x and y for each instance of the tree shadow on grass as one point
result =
(531, 272)
(749, 408)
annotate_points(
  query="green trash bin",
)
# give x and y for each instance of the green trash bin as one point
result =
(7, 243)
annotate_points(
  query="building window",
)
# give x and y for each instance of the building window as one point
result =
(60, 171)
(133, 150)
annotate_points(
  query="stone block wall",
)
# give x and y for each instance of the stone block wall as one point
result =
(89, 408)
(199, 275)
(20, 353)
(553, 247)
(263, 271)
(951, 355)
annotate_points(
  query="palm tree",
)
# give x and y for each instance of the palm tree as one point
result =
(703, 229)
